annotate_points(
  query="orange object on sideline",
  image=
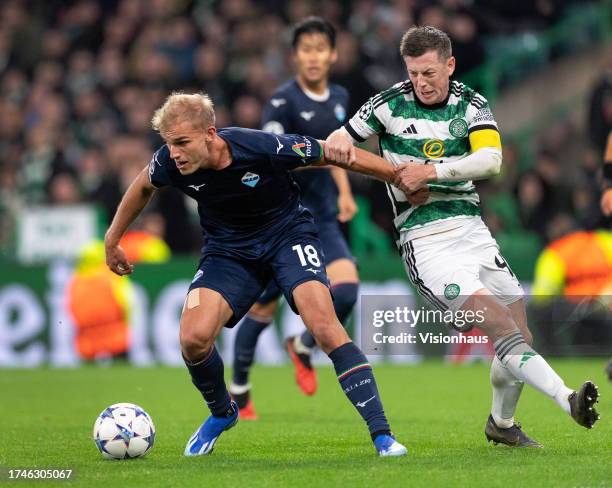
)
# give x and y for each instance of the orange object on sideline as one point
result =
(577, 265)
(100, 317)
(100, 301)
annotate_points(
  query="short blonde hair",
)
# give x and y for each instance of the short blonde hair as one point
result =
(196, 108)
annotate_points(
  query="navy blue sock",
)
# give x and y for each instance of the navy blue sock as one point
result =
(307, 339)
(244, 348)
(358, 383)
(345, 296)
(207, 376)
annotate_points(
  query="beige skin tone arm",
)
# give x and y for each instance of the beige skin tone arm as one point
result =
(342, 148)
(365, 163)
(369, 164)
(133, 202)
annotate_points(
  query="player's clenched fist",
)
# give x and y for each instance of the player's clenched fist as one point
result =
(339, 147)
(347, 207)
(117, 261)
(410, 177)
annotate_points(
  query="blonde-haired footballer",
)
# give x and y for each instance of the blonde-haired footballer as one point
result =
(441, 135)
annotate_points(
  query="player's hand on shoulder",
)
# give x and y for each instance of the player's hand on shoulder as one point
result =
(347, 207)
(606, 202)
(339, 147)
(116, 260)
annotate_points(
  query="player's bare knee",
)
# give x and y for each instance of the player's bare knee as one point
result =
(194, 347)
(195, 341)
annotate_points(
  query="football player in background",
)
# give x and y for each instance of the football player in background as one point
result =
(308, 104)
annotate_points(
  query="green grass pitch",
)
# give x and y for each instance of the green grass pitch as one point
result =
(437, 410)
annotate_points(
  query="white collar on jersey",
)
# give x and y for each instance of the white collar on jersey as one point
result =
(314, 96)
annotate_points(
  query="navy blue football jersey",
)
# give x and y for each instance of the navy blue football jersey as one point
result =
(253, 198)
(292, 111)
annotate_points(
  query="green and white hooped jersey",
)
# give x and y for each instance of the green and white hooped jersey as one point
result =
(410, 131)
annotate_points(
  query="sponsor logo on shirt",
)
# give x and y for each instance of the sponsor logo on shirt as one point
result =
(303, 149)
(483, 115)
(433, 148)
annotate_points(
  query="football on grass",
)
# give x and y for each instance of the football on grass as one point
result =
(124, 431)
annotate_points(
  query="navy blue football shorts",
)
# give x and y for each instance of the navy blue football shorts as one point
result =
(334, 247)
(288, 260)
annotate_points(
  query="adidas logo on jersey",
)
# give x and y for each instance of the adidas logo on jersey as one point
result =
(411, 129)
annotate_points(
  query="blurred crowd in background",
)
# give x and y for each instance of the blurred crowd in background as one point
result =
(81, 79)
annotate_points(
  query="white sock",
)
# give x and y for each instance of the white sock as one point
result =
(528, 366)
(235, 389)
(506, 393)
(299, 346)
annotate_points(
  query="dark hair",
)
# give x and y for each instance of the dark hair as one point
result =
(419, 40)
(311, 25)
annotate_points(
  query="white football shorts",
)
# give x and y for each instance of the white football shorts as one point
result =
(447, 267)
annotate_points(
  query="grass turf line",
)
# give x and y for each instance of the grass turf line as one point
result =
(437, 410)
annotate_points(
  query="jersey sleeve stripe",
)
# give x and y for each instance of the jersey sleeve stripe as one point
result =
(352, 132)
(478, 104)
(153, 184)
(391, 91)
(406, 88)
(482, 127)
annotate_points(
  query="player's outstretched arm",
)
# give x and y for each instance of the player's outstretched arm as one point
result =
(135, 199)
(365, 163)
